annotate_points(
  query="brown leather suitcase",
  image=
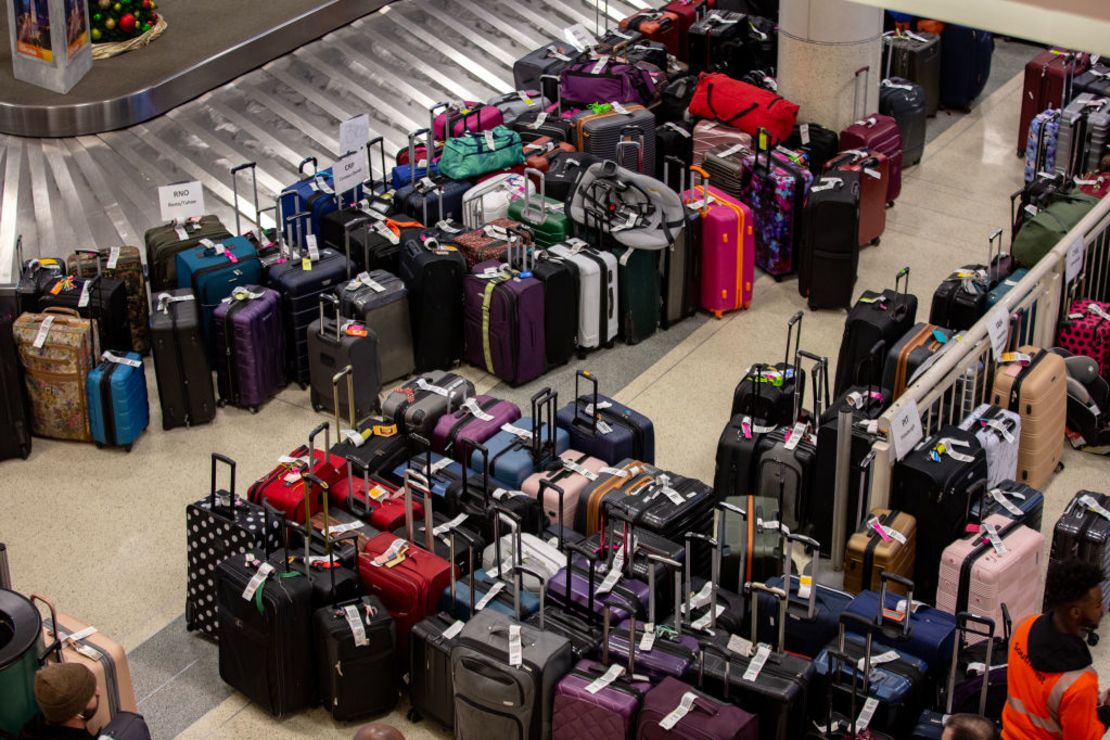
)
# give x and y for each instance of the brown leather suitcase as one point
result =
(870, 553)
(1038, 392)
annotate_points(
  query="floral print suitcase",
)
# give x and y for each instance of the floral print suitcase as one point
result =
(776, 192)
(57, 366)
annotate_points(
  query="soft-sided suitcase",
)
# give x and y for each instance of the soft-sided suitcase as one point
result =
(164, 242)
(380, 302)
(433, 274)
(1014, 500)
(874, 170)
(676, 710)
(1086, 331)
(333, 345)
(713, 37)
(431, 692)
(34, 277)
(910, 353)
(285, 488)
(596, 701)
(15, 413)
(876, 132)
(102, 300)
(885, 317)
(503, 322)
(680, 265)
(564, 173)
(213, 270)
(829, 246)
(604, 428)
(123, 264)
(1048, 78)
(999, 431)
(935, 483)
(916, 56)
(819, 143)
(249, 347)
(961, 299)
(355, 658)
(126, 726)
(475, 422)
(220, 526)
(886, 542)
(56, 351)
(598, 283)
(979, 576)
(548, 60)
(965, 65)
(728, 248)
(1035, 389)
(1096, 80)
(904, 101)
(768, 392)
(657, 25)
(180, 363)
(118, 408)
(416, 406)
(1040, 150)
(1083, 532)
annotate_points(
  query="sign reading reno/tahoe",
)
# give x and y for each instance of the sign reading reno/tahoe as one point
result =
(181, 200)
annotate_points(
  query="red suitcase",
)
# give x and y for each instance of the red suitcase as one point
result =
(407, 578)
(1048, 78)
(383, 509)
(658, 25)
(876, 133)
(874, 171)
(283, 487)
(687, 12)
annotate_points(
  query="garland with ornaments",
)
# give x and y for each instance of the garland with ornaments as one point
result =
(121, 20)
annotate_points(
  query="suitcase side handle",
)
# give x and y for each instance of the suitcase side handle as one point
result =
(714, 577)
(230, 464)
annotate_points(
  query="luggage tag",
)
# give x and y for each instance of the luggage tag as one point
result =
(1014, 357)
(113, 258)
(620, 109)
(1093, 308)
(995, 539)
(352, 436)
(525, 97)
(945, 446)
(382, 229)
(353, 329)
(1093, 505)
(322, 185)
(795, 435)
(120, 360)
(576, 468)
(700, 599)
(393, 556)
(734, 149)
(647, 640)
(354, 622)
(867, 713)
(453, 631)
(618, 472)
(257, 580)
(517, 431)
(446, 527)
(490, 144)
(435, 467)
(886, 533)
(483, 602)
(516, 649)
(44, 331)
(772, 524)
(599, 67)
(702, 623)
(616, 570)
(182, 234)
(762, 652)
(1000, 427)
(606, 679)
(684, 707)
(740, 646)
(540, 118)
(888, 657)
(476, 411)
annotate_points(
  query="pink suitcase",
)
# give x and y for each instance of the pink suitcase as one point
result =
(710, 134)
(727, 247)
(975, 577)
(876, 133)
(576, 472)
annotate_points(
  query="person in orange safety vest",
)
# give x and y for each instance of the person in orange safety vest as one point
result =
(1052, 686)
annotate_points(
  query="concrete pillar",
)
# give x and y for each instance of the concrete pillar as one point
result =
(821, 45)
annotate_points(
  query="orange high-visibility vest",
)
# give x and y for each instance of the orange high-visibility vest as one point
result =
(1048, 706)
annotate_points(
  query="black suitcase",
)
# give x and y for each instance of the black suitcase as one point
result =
(335, 352)
(265, 640)
(915, 56)
(675, 99)
(15, 411)
(819, 143)
(769, 395)
(180, 363)
(431, 691)
(34, 277)
(712, 37)
(937, 489)
(876, 317)
(1083, 534)
(368, 242)
(829, 253)
(680, 265)
(738, 453)
(549, 59)
(106, 304)
(355, 660)
(561, 178)
(904, 101)
(560, 314)
(531, 125)
(961, 299)
(674, 141)
(434, 276)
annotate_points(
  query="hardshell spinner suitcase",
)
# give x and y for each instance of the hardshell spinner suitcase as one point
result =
(978, 578)
(965, 65)
(598, 283)
(601, 134)
(606, 429)
(688, 12)
(433, 274)
(915, 56)
(904, 101)
(885, 317)
(480, 418)
(876, 133)
(380, 301)
(249, 344)
(562, 484)
(560, 278)
(55, 372)
(331, 348)
(709, 135)
(680, 265)
(829, 250)
(164, 242)
(999, 432)
(431, 692)
(1048, 79)
(728, 248)
(548, 60)
(873, 169)
(1014, 500)
(886, 542)
(908, 354)
(1036, 391)
(102, 300)
(180, 363)
(123, 264)
(118, 408)
(416, 406)
(213, 271)
(776, 189)
(1083, 532)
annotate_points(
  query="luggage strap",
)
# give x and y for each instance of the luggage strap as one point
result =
(1015, 390)
(487, 304)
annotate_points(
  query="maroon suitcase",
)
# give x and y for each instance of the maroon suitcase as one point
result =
(1048, 78)
(876, 133)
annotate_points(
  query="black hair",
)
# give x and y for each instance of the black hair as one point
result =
(1070, 580)
(971, 727)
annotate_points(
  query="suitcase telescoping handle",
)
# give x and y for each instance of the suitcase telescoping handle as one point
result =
(591, 565)
(674, 567)
(815, 546)
(820, 376)
(793, 331)
(308, 480)
(720, 516)
(253, 167)
(353, 537)
(56, 646)
(474, 446)
(379, 142)
(578, 398)
(704, 175)
(714, 577)
(216, 459)
(900, 309)
(429, 152)
(348, 227)
(453, 548)
(557, 82)
(519, 571)
(299, 219)
(516, 555)
(525, 213)
(325, 300)
(842, 657)
(544, 405)
(561, 495)
(859, 112)
(348, 373)
(888, 577)
(781, 598)
(708, 647)
(680, 166)
(414, 480)
(616, 509)
(962, 621)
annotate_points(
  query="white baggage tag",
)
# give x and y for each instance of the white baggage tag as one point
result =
(476, 411)
(804, 132)
(383, 230)
(181, 233)
(540, 118)
(424, 385)
(998, 426)
(44, 330)
(576, 468)
(604, 428)
(578, 37)
(702, 622)
(1095, 506)
(796, 435)
(805, 585)
(616, 570)
(495, 232)
(372, 284)
(589, 410)
(516, 649)
(341, 529)
(448, 526)
(950, 443)
(740, 646)
(674, 496)
(76, 637)
(390, 554)
(976, 669)
(1032, 210)
(490, 596)
(112, 357)
(522, 433)
(888, 657)
(647, 640)
(668, 723)
(488, 136)
(313, 248)
(353, 437)
(83, 300)
(453, 631)
(619, 472)
(500, 493)
(257, 580)
(113, 258)
(700, 599)
(354, 621)
(867, 713)
(761, 654)
(732, 150)
(604, 680)
(995, 539)
(323, 186)
(620, 109)
(600, 66)
(772, 524)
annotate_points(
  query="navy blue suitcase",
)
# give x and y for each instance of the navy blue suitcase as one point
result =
(514, 456)
(118, 408)
(965, 65)
(1011, 497)
(442, 473)
(586, 419)
(314, 195)
(431, 197)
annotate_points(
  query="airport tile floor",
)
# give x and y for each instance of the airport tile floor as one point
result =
(102, 532)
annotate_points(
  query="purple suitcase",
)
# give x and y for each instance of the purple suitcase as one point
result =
(708, 719)
(876, 133)
(479, 419)
(250, 347)
(503, 323)
(629, 597)
(607, 714)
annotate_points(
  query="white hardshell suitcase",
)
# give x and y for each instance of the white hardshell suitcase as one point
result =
(598, 317)
(489, 200)
(999, 432)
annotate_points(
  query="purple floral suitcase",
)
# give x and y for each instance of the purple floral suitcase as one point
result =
(249, 347)
(480, 418)
(776, 192)
(581, 711)
(503, 323)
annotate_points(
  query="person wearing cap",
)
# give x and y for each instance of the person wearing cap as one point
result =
(68, 698)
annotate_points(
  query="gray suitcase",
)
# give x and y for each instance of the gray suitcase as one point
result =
(416, 406)
(380, 301)
(916, 57)
(496, 700)
(1087, 116)
(601, 136)
(330, 350)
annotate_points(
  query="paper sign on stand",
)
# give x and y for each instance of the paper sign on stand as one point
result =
(354, 133)
(181, 201)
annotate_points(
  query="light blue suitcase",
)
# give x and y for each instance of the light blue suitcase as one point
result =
(118, 407)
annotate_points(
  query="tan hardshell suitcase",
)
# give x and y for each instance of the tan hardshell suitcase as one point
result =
(1038, 392)
(869, 553)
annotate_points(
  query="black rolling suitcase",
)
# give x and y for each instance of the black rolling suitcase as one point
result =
(738, 452)
(769, 396)
(904, 101)
(15, 412)
(180, 362)
(561, 178)
(915, 56)
(1083, 532)
(680, 264)
(34, 277)
(434, 276)
(431, 692)
(829, 254)
(102, 299)
(712, 37)
(335, 348)
(560, 313)
(935, 483)
(265, 642)
(877, 317)
(819, 143)
(961, 299)
(674, 143)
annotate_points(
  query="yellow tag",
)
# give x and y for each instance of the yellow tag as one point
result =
(964, 274)
(306, 264)
(397, 560)
(941, 448)
(240, 296)
(47, 261)
(385, 430)
(805, 581)
(763, 145)
(377, 492)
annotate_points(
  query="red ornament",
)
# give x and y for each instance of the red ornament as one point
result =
(146, 4)
(127, 23)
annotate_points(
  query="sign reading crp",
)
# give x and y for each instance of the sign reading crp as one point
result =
(181, 200)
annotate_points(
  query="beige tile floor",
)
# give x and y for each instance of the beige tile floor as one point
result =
(103, 531)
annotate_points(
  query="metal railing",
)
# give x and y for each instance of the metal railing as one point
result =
(962, 375)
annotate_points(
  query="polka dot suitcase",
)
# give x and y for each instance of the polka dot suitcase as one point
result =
(1086, 331)
(220, 526)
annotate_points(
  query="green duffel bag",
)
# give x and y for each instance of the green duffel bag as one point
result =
(474, 154)
(1044, 231)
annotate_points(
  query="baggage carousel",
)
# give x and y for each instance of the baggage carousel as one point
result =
(393, 62)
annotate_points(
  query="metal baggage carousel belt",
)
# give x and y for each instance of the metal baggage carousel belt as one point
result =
(101, 190)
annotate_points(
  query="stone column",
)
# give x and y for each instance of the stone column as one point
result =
(821, 45)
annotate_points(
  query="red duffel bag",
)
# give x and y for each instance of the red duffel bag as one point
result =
(718, 97)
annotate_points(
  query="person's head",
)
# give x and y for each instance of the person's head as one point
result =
(1073, 591)
(970, 727)
(378, 731)
(66, 693)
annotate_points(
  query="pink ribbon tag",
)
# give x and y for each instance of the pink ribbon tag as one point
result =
(881, 530)
(232, 258)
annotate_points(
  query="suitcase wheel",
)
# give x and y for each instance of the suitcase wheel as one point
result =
(612, 343)
(890, 204)
(127, 448)
(100, 445)
(582, 354)
(413, 715)
(304, 386)
(221, 403)
(254, 409)
(876, 241)
(718, 314)
(317, 407)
